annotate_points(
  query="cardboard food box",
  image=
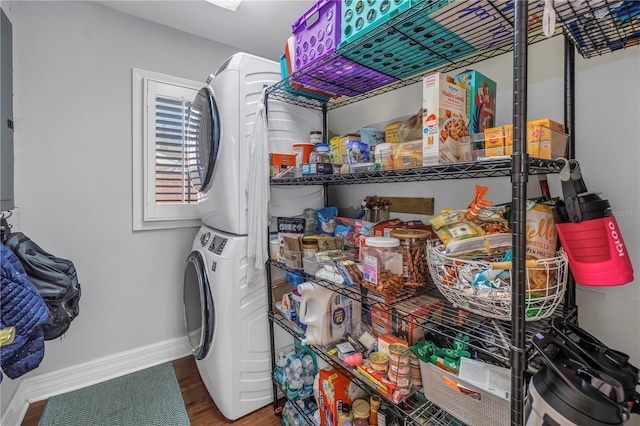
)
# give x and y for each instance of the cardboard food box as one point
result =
(380, 321)
(388, 339)
(334, 391)
(481, 100)
(343, 142)
(391, 132)
(494, 142)
(408, 317)
(445, 121)
(383, 229)
(545, 139)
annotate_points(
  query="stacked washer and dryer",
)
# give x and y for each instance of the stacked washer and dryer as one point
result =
(226, 317)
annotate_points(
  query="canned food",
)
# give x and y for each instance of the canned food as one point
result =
(379, 361)
(398, 353)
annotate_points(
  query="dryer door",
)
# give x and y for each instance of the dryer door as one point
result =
(204, 118)
(198, 305)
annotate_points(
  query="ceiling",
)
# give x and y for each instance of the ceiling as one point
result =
(257, 26)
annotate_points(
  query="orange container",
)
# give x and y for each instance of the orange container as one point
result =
(303, 151)
(286, 160)
(282, 162)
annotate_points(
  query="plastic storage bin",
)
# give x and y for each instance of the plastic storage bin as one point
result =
(407, 155)
(322, 264)
(299, 90)
(427, 39)
(359, 17)
(471, 404)
(316, 32)
(342, 76)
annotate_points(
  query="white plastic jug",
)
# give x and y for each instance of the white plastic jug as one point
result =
(329, 316)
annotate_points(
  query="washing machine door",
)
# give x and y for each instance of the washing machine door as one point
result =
(198, 305)
(205, 119)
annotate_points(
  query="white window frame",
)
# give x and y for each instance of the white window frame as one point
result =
(146, 214)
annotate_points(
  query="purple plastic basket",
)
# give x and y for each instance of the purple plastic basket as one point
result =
(317, 32)
(342, 76)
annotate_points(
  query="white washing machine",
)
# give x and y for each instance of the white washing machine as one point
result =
(227, 323)
(228, 112)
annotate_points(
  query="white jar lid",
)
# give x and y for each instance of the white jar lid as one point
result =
(382, 242)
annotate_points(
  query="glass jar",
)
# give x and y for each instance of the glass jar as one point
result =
(382, 259)
(309, 245)
(315, 136)
(413, 243)
(361, 411)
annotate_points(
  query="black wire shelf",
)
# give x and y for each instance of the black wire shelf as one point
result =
(411, 409)
(488, 337)
(447, 35)
(474, 169)
(302, 414)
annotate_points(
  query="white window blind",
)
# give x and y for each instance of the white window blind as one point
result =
(165, 151)
(176, 142)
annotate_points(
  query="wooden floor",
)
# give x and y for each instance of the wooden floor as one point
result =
(200, 408)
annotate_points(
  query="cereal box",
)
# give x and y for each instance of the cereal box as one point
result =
(445, 121)
(481, 100)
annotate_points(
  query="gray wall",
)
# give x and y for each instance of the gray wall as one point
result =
(73, 170)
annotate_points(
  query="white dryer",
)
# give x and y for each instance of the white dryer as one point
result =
(226, 322)
(226, 115)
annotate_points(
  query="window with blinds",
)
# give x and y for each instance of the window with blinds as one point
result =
(165, 151)
(176, 150)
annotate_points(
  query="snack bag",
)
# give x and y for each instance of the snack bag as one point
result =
(488, 233)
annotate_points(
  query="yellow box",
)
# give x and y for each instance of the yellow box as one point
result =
(336, 155)
(494, 141)
(391, 132)
(546, 138)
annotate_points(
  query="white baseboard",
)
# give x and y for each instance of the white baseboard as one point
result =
(41, 387)
(17, 408)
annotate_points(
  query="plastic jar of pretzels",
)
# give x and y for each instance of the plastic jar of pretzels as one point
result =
(382, 261)
(413, 243)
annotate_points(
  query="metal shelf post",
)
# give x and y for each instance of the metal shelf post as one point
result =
(519, 178)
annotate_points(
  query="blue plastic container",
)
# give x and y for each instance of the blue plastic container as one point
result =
(358, 17)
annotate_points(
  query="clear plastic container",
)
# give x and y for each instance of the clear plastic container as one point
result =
(414, 246)
(382, 259)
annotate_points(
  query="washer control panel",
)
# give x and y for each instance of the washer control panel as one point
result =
(217, 245)
(204, 238)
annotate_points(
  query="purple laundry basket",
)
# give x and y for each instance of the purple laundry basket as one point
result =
(317, 32)
(342, 76)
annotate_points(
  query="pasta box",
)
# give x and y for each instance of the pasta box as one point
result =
(445, 122)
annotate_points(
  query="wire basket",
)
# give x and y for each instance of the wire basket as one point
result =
(484, 287)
